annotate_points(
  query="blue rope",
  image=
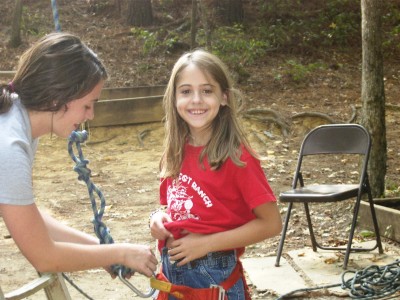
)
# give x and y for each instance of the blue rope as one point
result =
(101, 230)
(372, 282)
(55, 15)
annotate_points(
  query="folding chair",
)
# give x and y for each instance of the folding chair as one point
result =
(334, 142)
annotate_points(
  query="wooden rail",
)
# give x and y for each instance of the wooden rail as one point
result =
(123, 106)
(7, 74)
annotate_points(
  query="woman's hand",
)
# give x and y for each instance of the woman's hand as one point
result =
(140, 259)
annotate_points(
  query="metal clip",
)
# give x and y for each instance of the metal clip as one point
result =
(134, 289)
(221, 291)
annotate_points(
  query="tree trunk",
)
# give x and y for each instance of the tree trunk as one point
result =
(193, 25)
(230, 11)
(373, 93)
(140, 13)
(206, 12)
(15, 38)
(118, 6)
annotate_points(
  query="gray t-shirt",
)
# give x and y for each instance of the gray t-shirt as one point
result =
(17, 151)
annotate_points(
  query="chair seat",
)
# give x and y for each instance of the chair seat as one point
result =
(320, 193)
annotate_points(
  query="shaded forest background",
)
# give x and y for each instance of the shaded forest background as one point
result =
(273, 48)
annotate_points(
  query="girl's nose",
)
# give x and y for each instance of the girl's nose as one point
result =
(196, 96)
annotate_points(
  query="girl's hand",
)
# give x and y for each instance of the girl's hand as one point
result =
(157, 228)
(188, 248)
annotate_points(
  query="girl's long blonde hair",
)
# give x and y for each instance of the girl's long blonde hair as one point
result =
(227, 133)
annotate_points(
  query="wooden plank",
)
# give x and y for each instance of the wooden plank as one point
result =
(132, 92)
(1, 294)
(7, 74)
(127, 111)
(57, 290)
(52, 283)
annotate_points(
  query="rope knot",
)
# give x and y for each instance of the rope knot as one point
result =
(102, 232)
(82, 170)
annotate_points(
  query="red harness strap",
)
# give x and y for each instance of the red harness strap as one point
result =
(165, 287)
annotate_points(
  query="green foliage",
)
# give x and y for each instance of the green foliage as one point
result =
(367, 234)
(391, 44)
(301, 26)
(392, 188)
(299, 72)
(31, 22)
(235, 46)
(149, 39)
(306, 25)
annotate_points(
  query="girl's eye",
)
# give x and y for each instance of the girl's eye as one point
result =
(185, 92)
(207, 91)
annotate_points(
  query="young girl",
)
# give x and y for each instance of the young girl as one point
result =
(217, 196)
(58, 81)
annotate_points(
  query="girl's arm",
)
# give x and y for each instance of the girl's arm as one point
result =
(267, 224)
(53, 247)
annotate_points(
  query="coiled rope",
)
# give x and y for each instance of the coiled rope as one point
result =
(372, 282)
(100, 229)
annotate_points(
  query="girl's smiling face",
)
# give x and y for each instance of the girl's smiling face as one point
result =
(76, 112)
(198, 99)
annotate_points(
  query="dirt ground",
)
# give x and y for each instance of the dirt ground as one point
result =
(126, 170)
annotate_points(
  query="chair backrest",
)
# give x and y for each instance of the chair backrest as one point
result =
(336, 139)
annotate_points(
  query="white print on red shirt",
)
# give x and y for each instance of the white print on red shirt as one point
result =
(180, 202)
(187, 179)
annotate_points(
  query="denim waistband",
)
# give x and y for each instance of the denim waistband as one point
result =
(210, 259)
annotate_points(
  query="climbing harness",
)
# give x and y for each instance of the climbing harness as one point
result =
(214, 292)
(372, 282)
(55, 15)
(100, 229)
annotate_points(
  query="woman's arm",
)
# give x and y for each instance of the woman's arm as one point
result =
(267, 224)
(53, 247)
(60, 232)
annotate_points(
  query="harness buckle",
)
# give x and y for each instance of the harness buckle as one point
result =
(220, 292)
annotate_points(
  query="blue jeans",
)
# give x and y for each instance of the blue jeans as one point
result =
(203, 272)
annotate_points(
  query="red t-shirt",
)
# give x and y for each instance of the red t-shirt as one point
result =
(206, 201)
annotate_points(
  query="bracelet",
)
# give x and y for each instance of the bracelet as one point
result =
(162, 208)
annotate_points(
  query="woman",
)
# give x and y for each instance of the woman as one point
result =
(55, 88)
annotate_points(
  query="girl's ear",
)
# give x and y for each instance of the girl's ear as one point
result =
(224, 99)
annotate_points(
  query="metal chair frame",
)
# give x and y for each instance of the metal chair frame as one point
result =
(332, 139)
